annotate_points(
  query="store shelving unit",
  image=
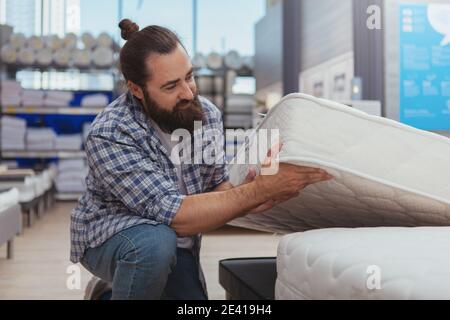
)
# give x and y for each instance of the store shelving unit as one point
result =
(233, 116)
(215, 91)
(223, 91)
(11, 71)
(83, 111)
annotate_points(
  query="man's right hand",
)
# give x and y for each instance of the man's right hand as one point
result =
(289, 180)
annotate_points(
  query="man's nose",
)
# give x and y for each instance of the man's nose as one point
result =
(186, 93)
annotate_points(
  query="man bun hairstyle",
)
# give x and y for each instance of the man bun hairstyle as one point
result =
(140, 45)
(127, 28)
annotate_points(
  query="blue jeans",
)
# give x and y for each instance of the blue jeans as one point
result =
(143, 262)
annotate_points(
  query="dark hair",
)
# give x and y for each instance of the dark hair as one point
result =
(140, 45)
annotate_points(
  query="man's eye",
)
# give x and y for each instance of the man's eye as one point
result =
(190, 77)
(171, 88)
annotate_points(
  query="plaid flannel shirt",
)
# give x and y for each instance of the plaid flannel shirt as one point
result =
(131, 178)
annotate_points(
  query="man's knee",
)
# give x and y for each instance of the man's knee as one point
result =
(154, 247)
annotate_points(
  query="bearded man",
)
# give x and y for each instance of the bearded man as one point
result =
(138, 226)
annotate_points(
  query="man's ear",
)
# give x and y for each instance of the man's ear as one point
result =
(135, 90)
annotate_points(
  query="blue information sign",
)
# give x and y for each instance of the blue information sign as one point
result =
(425, 66)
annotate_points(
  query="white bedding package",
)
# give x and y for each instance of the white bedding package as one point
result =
(364, 263)
(386, 173)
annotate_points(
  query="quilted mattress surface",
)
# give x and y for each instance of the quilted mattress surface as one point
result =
(365, 263)
(386, 173)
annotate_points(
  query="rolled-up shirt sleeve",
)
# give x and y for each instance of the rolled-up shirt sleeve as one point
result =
(133, 178)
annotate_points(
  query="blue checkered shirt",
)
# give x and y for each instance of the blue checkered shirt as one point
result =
(131, 178)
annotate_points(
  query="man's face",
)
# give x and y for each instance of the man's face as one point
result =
(170, 97)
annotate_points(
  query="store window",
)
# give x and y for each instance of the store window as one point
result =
(99, 16)
(173, 14)
(228, 25)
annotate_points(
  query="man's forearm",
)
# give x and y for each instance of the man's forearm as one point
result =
(224, 186)
(208, 211)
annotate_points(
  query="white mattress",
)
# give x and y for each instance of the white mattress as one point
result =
(27, 188)
(386, 173)
(9, 199)
(365, 263)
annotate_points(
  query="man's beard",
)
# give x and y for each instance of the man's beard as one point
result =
(182, 116)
